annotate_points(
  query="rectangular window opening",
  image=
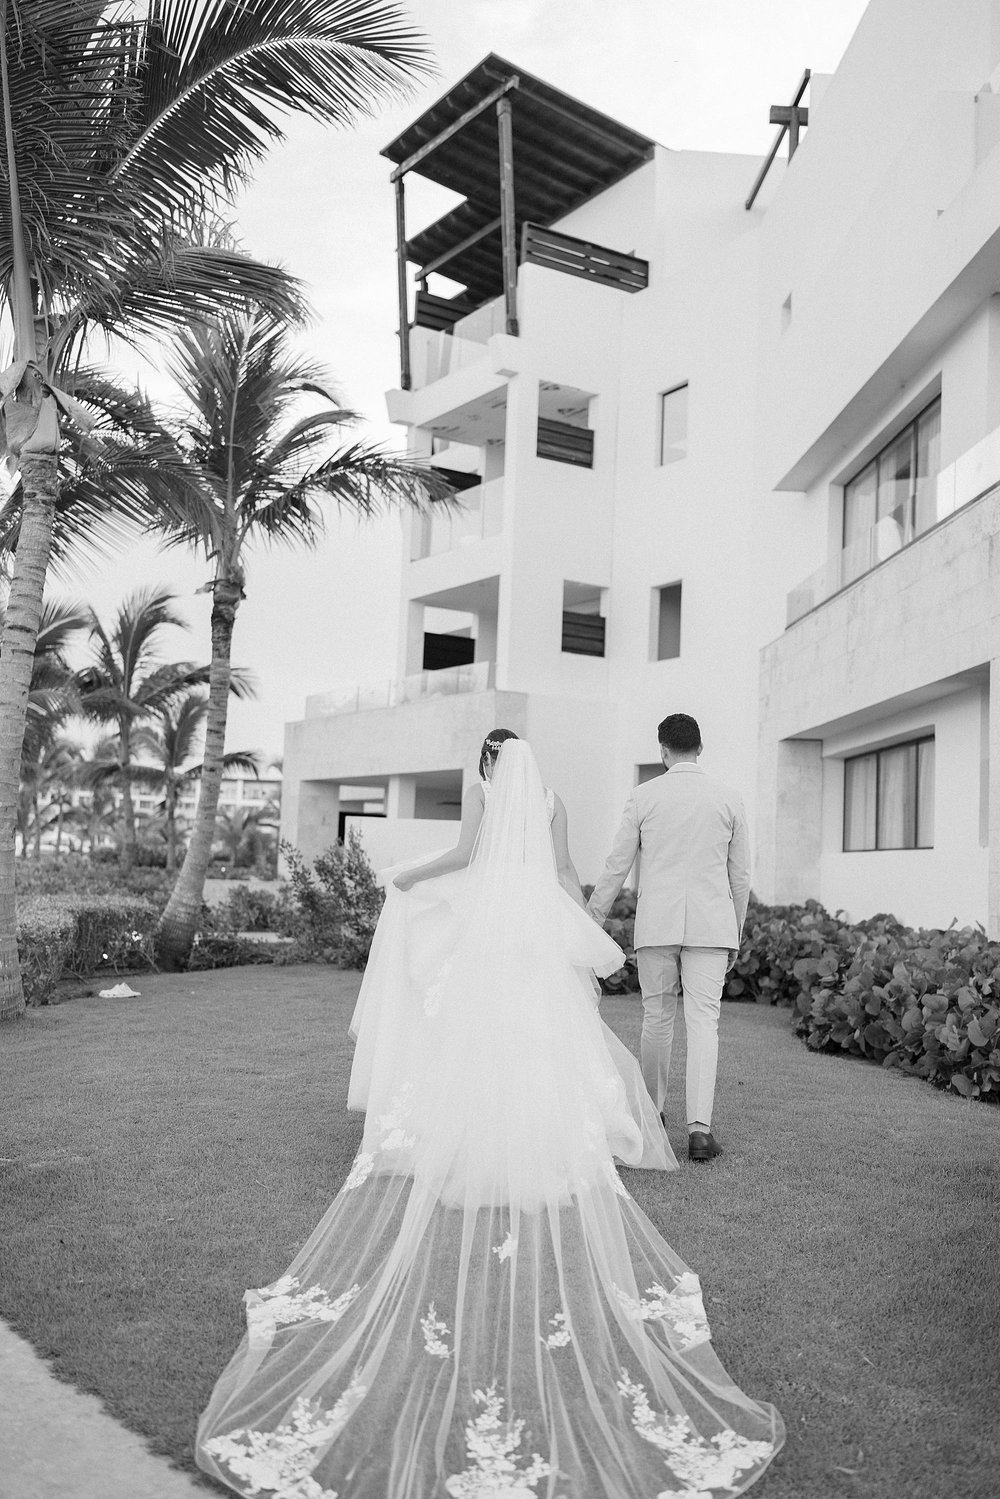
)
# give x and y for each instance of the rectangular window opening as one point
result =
(666, 641)
(583, 624)
(889, 798)
(673, 425)
(897, 489)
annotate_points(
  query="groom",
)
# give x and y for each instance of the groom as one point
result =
(691, 833)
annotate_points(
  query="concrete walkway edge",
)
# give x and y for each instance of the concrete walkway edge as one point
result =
(59, 1443)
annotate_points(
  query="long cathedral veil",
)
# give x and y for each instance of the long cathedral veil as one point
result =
(484, 1312)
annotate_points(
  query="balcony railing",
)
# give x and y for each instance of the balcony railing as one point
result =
(442, 531)
(890, 535)
(440, 352)
(476, 676)
(564, 442)
(581, 257)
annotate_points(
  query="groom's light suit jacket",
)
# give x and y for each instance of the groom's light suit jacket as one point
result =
(694, 870)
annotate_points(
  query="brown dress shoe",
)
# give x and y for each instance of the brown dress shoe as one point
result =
(702, 1146)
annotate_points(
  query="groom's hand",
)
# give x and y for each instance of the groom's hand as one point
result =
(404, 881)
(734, 953)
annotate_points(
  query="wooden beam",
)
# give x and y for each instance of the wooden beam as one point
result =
(430, 146)
(758, 183)
(465, 244)
(405, 379)
(508, 229)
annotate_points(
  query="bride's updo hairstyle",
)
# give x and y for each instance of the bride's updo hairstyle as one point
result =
(491, 747)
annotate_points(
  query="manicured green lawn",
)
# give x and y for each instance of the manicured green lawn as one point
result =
(163, 1153)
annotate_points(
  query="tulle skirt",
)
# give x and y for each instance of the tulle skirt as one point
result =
(484, 1312)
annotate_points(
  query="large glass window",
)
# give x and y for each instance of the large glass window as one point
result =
(673, 424)
(889, 798)
(897, 489)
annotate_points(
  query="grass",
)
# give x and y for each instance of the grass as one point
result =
(168, 1151)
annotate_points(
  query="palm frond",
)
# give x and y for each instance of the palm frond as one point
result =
(245, 66)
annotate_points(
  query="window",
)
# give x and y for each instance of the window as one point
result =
(582, 620)
(666, 641)
(889, 798)
(898, 487)
(673, 424)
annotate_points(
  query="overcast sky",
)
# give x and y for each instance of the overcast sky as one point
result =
(693, 74)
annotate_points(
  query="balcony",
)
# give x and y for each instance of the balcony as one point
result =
(475, 676)
(481, 515)
(436, 352)
(955, 487)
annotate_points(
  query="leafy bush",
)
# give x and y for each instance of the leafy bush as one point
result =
(81, 935)
(45, 931)
(71, 874)
(926, 1001)
(337, 904)
(247, 908)
(225, 950)
(114, 933)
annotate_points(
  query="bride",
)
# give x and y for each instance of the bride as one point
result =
(484, 1312)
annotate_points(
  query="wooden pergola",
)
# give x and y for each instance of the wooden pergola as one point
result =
(522, 155)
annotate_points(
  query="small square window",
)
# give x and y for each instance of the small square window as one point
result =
(673, 424)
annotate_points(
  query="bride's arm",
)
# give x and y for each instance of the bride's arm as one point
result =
(460, 855)
(568, 877)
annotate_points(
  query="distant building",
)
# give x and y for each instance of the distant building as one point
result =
(238, 790)
(739, 462)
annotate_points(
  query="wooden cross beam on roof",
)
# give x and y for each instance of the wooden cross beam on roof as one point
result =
(789, 118)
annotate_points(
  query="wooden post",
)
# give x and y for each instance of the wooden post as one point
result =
(508, 222)
(405, 378)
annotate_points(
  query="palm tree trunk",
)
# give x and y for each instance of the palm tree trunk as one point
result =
(180, 920)
(40, 482)
(170, 819)
(129, 839)
(59, 826)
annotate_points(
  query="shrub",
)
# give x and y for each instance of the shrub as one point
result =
(72, 874)
(83, 936)
(250, 909)
(926, 1001)
(225, 950)
(45, 931)
(336, 904)
(114, 932)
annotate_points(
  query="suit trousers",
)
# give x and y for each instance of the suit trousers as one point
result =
(699, 974)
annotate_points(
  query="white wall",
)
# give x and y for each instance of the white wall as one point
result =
(922, 887)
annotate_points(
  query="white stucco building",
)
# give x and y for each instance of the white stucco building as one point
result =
(726, 461)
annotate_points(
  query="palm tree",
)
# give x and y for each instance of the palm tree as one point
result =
(127, 684)
(169, 748)
(122, 125)
(268, 469)
(50, 701)
(241, 830)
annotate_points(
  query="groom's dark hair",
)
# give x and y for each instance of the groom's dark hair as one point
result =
(680, 733)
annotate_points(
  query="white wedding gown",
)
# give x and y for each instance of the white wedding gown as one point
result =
(484, 1312)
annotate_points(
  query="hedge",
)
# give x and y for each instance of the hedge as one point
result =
(926, 1001)
(82, 935)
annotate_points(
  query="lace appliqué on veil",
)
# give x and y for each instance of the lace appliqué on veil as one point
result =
(506, 1249)
(435, 1331)
(701, 1465)
(280, 1462)
(682, 1310)
(560, 1334)
(491, 1445)
(283, 1303)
